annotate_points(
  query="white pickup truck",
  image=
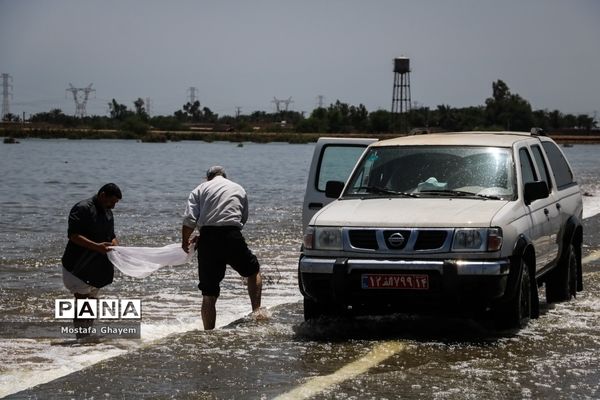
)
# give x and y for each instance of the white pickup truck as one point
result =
(470, 222)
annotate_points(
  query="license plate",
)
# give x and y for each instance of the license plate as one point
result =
(395, 281)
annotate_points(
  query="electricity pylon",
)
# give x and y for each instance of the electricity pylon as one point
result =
(6, 92)
(80, 101)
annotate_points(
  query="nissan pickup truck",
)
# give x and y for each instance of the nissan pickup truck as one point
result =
(468, 223)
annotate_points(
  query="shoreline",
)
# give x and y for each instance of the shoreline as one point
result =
(155, 136)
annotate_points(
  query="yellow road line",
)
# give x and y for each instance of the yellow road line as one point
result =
(318, 384)
(378, 354)
(591, 257)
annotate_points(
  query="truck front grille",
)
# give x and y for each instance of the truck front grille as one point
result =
(400, 240)
(430, 240)
(363, 239)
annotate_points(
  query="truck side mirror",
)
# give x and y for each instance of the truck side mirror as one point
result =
(534, 191)
(333, 189)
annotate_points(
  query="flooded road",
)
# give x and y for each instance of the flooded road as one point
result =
(557, 356)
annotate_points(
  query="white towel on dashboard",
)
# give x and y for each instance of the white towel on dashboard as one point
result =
(140, 262)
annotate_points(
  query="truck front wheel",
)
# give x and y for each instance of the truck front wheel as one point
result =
(516, 313)
(312, 309)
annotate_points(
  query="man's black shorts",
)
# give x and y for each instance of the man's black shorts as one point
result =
(217, 247)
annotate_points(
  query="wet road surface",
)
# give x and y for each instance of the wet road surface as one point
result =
(557, 356)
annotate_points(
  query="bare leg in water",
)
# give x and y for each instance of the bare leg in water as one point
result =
(209, 313)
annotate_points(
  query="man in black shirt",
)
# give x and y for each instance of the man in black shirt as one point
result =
(91, 232)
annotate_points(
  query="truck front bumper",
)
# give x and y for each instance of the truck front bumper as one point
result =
(452, 283)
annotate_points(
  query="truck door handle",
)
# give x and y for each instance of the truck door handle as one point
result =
(558, 206)
(546, 211)
(315, 206)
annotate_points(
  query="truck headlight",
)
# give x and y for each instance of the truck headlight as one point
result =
(468, 239)
(328, 239)
(471, 239)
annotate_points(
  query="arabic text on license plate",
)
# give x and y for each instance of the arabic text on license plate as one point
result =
(395, 281)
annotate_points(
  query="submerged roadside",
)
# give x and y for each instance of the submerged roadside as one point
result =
(556, 356)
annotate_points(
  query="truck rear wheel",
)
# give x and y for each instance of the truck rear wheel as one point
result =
(562, 283)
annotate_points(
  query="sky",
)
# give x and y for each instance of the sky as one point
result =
(243, 53)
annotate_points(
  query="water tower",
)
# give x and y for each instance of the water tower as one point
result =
(401, 95)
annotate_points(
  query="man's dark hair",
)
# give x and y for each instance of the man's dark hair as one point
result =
(112, 190)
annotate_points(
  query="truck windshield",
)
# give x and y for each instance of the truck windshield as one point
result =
(427, 171)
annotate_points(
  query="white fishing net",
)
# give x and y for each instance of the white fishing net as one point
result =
(140, 262)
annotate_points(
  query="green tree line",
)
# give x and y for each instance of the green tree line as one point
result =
(502, 111)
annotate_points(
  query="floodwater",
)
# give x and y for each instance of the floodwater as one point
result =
(556, 356)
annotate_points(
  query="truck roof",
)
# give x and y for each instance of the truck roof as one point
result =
(497, 139)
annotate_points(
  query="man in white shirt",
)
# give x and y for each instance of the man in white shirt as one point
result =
(219, 209)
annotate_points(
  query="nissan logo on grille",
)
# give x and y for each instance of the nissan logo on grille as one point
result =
(396, 239)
